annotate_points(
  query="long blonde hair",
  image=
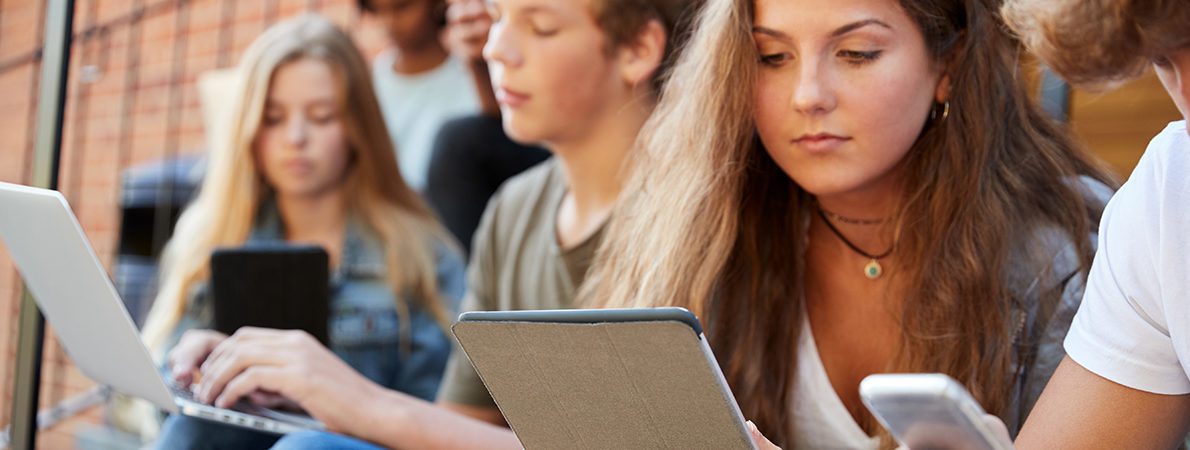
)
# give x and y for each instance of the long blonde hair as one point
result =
(714, 225)
(225, 210)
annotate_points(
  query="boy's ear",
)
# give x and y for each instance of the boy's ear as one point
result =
(641, 57)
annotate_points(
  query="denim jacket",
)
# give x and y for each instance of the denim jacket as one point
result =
(364, 329)
(1047, 303)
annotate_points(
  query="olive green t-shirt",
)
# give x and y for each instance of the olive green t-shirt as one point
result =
(517, 264)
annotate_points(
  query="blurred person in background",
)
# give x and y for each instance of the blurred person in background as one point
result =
(840, 188)
(306, 159)
(419, 84)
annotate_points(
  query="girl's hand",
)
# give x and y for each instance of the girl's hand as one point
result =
(191, 351)
(262, 364)
(761, 442)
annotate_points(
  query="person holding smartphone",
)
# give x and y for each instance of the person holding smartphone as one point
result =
(839, 188)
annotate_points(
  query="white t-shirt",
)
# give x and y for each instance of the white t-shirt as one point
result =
(416, 106)
(1134, 323)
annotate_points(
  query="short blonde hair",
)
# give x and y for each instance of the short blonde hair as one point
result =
(1097, 42)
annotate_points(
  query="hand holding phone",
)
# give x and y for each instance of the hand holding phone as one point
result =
(930, 411)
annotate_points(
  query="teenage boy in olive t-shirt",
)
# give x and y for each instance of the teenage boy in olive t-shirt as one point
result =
(518, 264)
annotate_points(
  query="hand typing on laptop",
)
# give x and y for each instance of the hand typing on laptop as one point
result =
(192, 350)
(268, 367)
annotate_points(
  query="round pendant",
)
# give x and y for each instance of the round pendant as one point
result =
(873, 270)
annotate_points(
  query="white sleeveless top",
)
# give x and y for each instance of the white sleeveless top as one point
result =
(820, 420)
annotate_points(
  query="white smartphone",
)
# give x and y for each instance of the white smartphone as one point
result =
(929, 411)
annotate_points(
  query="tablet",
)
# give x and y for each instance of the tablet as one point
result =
(604, 378)
(284, 287)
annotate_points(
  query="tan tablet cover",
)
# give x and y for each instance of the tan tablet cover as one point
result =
(629, 385)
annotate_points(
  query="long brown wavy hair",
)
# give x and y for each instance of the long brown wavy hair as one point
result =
(712, 224)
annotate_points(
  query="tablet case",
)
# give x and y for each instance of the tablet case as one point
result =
(604, 385)
(284, 287)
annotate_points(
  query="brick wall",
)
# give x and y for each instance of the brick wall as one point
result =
(132, 98)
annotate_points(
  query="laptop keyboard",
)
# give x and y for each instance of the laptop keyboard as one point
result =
(245, 413)
(180, 391)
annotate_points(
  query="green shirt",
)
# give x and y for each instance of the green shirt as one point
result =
(517, 264)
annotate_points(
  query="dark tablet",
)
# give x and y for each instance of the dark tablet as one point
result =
(275, 286)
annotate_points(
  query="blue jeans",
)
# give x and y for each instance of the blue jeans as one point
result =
(311, 440)
(188, 433)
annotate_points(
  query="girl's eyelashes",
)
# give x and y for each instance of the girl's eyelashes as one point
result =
(323, 119)
(770, 55)
(1162, 62)
(852, 57)
(322, 113)
(859, 58)
(319, 118)
(774, 59)
(272, 120)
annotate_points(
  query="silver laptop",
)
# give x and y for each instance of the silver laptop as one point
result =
(69, 284)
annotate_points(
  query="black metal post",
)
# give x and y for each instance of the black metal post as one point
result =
(55, 70)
